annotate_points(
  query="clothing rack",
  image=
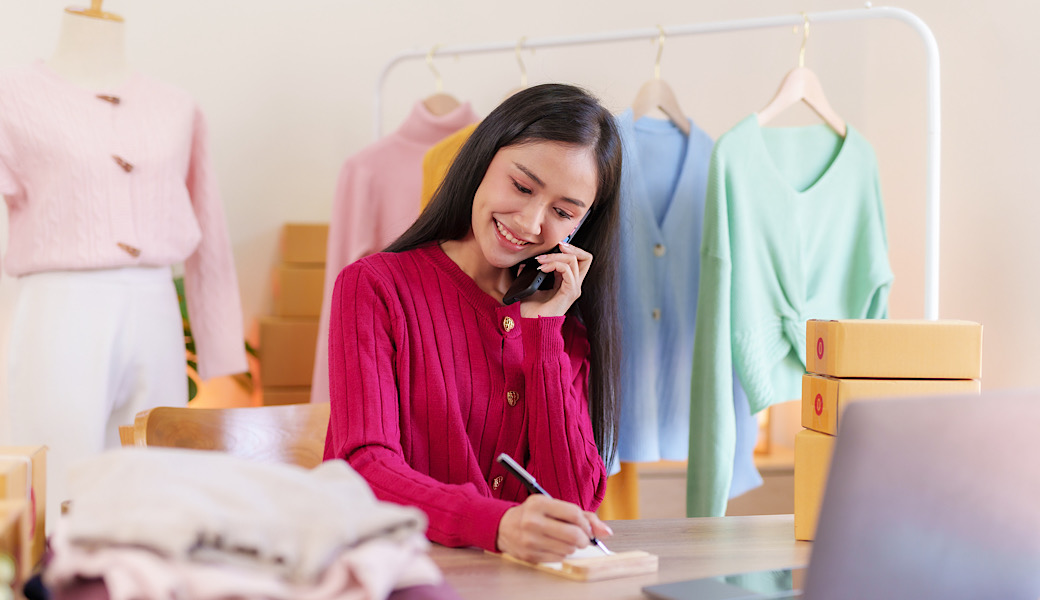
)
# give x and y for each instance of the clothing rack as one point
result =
(931, 290)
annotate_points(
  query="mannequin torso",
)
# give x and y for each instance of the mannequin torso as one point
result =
(91, 52)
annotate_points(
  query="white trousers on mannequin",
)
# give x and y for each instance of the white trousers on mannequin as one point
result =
(87, 351)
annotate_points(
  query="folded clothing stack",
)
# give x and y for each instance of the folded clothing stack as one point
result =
(168, 523)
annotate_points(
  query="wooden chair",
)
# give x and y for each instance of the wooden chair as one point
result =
(291, 433)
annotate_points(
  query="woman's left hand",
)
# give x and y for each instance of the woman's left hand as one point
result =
(570, 265)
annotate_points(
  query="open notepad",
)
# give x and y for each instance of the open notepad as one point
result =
(590, 564)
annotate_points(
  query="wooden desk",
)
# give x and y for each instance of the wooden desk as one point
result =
(688, 548)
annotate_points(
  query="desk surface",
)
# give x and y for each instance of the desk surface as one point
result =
(687, 548)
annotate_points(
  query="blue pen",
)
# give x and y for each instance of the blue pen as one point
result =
(532, 486)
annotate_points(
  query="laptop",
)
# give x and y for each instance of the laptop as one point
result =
(926, 498)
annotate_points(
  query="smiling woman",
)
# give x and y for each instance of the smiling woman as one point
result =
(432, 376)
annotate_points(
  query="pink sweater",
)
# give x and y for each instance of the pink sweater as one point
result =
(431, 379)
(377, 199)
(119, 179)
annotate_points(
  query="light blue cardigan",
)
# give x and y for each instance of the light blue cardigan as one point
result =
(664, 178)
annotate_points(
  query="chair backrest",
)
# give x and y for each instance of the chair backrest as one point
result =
(291, 433)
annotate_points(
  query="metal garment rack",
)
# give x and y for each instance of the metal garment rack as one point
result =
(931, 291)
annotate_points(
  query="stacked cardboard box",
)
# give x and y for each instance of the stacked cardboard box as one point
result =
(16, 539)
(853, 360)
(23, 487)
(289, 337)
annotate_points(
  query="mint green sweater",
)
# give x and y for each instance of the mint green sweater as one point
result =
(794, 229)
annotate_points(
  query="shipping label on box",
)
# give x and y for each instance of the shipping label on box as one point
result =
(28, 481)
(824, 398)
(287, 348)
(812, 459)
(304, 243)
(894, 349)
(298, 291)
(16, 537)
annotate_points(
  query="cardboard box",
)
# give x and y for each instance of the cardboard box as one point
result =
(286, 351)
(298, 291)
(304, 243)
(289, 395)
(812, 458)
(891, 349)
(13, 486)
(16, 537)
(825, 398)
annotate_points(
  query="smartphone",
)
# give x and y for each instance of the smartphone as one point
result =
(530, 279)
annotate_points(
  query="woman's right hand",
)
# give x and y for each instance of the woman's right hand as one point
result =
(546, 530)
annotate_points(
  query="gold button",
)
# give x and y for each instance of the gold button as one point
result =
(659, 250)
(508, 324)
(129, 249)
(656, 314)
(512, 398)
(497, 483)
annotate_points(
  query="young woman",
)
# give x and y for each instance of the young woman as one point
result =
(432, 376)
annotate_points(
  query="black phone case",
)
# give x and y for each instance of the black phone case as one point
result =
(529, 281)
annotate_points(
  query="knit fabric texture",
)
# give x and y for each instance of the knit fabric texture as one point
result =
(431, 378)
(119, 178)
(794, 229)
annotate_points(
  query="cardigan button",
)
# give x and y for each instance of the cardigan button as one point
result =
(496, 483)
(659, 250)
(122, 163)
(656, 314)
(508, 324)
(113, 99)
(135, 252)
(512, 398)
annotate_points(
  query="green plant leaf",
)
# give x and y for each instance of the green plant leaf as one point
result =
(178, 283)
(193, 389)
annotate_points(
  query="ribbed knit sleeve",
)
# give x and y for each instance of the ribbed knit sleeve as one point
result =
(371, 397)
(210, 282)
(564, 458)
(712, 419)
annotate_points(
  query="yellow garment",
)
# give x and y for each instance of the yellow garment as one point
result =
(438, 159)
(621, 500)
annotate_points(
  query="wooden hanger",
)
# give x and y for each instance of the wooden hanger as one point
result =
(439, 103)
(523, 68)
(801, 84)
(655, 93)
(94, 12)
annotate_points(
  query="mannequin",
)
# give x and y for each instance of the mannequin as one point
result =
(108, 183)
(91, 50)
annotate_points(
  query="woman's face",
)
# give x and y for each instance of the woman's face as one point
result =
(532, 196)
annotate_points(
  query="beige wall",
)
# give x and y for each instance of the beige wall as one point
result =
(288, 90)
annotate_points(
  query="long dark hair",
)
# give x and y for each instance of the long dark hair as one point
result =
(569, 115)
